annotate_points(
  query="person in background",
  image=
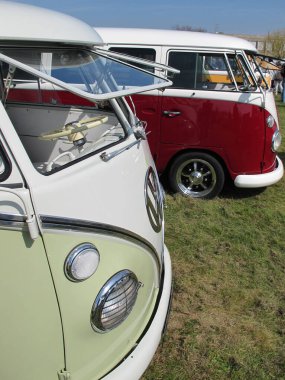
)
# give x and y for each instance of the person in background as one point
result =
(282, 71)
(271, 73)
(278, 79)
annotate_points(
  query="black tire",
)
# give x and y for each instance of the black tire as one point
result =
(197, 175)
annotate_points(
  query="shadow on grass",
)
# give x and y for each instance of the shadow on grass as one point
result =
(229, 191)
(281, 155)
(279, 103)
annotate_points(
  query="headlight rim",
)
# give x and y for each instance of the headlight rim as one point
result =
(102, 297)
(270, 121)
(73, 254)
(275, 137)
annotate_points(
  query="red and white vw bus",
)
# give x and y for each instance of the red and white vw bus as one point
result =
(217, 119)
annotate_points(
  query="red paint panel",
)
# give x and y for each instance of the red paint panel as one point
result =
(148, 109)
(234, 131)
(236, 128)
(47, 97)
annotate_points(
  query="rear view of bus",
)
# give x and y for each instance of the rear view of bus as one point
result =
(85, 276)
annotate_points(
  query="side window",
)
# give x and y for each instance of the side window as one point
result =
(241, 72)
(5, 166)
(214, 63)
(210, 71)
(144, 53)
(189, 65)
(215, 73)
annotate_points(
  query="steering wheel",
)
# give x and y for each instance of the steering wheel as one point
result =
(74, 127)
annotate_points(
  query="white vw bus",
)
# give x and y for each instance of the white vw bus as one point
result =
(85, 275)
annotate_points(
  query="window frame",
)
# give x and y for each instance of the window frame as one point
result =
(225, 53)
(8, 165)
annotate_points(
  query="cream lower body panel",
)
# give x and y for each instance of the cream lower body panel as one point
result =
(261, 180)
(137, 362)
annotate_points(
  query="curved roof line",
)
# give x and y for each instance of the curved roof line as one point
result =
(23, 22)
(159, 37)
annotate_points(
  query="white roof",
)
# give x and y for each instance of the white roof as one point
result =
(22, 22)
(152, 37)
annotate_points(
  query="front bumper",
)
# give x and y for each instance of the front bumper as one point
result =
(261, 180)
(137, 362)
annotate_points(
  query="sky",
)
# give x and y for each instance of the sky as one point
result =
(230, 17)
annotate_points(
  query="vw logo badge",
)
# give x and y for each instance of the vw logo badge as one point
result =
(153, 200)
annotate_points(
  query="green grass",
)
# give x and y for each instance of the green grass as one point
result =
(228, 312)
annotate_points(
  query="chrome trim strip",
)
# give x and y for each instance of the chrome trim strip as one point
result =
(12, 222)
(126, 298)
(142, 61)
(12, 185)
(12, 217)
(78, 225)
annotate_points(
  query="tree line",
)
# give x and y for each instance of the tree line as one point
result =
(274, 42)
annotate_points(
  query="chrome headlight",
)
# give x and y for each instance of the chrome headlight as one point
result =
(115, 301)
(270, 121)
(276, 141)
(81, 262)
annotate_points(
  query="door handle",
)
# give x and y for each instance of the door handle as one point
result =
(171, 113)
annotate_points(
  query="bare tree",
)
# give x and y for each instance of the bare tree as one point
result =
(189, 28)
(275, 43)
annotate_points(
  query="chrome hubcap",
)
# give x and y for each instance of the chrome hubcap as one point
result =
(196, 178)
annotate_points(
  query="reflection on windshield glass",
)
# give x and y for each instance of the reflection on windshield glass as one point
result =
(84, 70)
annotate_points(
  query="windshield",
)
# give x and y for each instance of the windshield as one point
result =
(57, 126)
(263, 70)
(84, 72)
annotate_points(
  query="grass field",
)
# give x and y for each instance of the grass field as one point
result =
(228, 312)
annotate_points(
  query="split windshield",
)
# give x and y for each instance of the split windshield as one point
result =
(86, 71)
(263, 69)
(65, 105)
